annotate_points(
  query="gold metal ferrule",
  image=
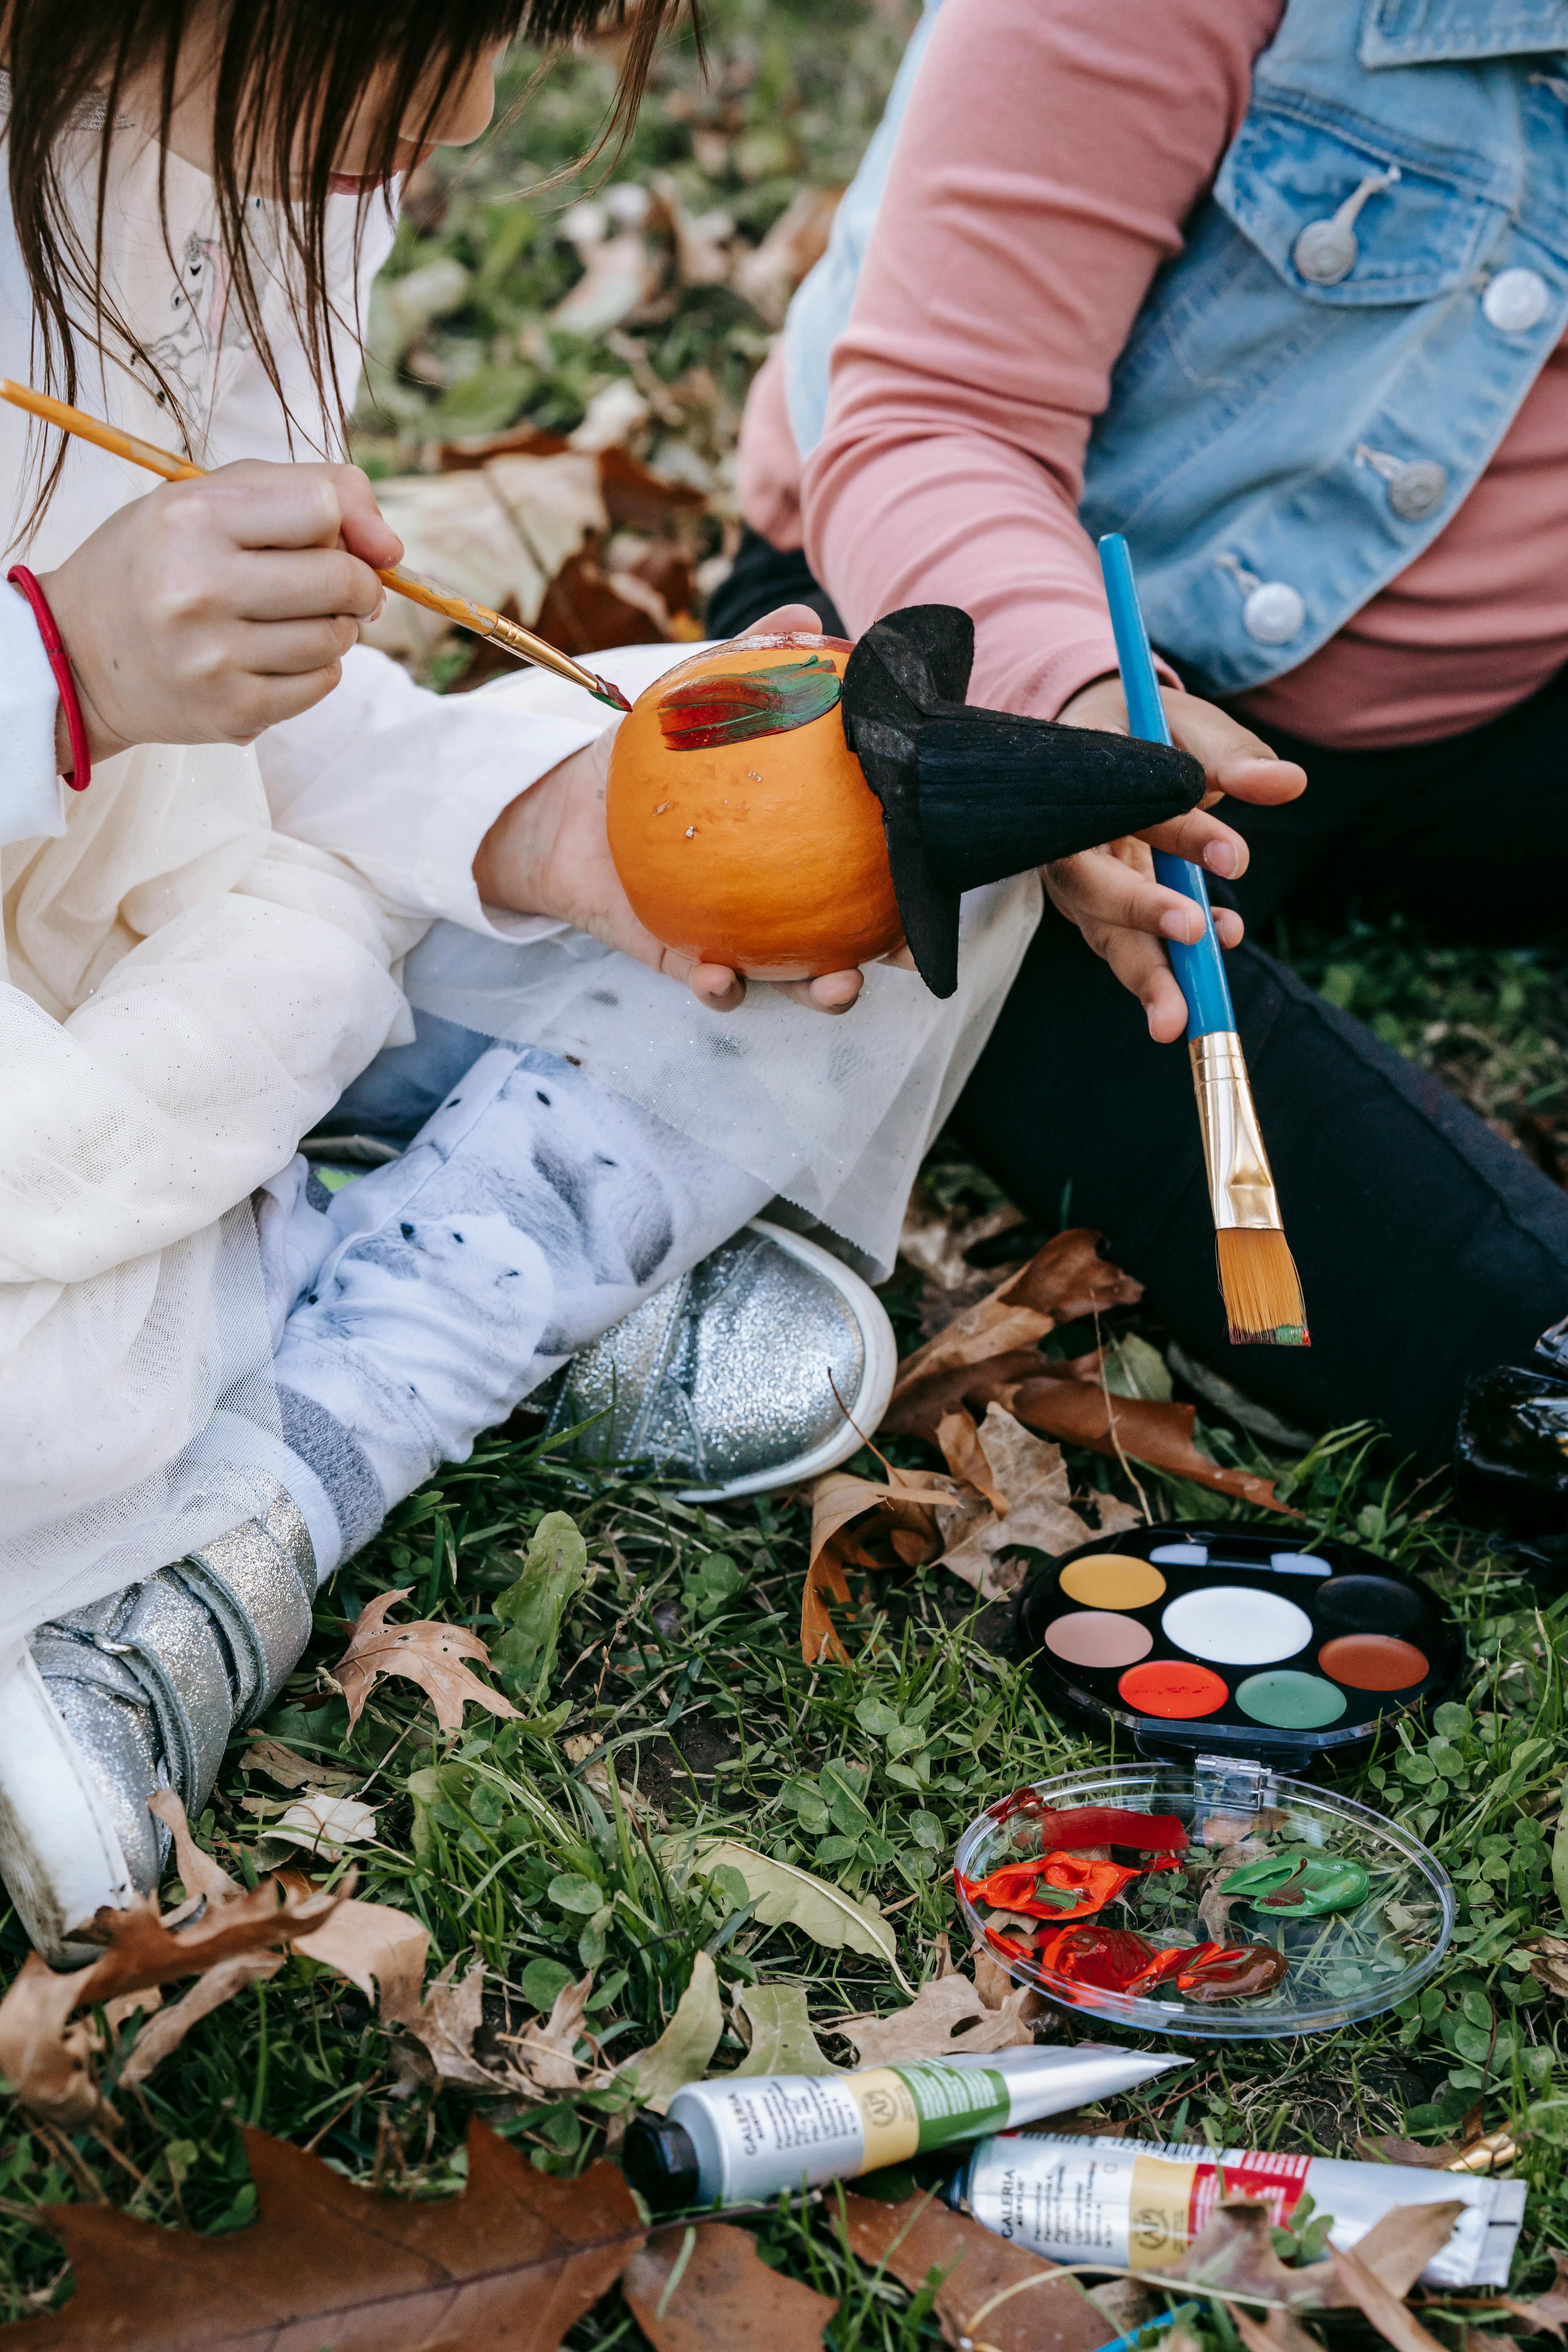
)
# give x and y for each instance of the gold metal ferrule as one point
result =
(1241, 1183)
(1488, 2155)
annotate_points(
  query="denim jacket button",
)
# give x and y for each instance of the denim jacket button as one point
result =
(1418, 489)
(1325, 252)
(1273, 613)
(1515, 301)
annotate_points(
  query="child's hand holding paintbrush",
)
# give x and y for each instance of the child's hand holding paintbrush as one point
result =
(213, 608)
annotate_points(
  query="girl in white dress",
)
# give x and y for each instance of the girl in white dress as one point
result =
(215, 1376)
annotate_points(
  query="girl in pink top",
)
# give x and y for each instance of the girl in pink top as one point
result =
(1060, 165)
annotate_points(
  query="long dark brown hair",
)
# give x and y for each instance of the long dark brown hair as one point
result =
(290, 78)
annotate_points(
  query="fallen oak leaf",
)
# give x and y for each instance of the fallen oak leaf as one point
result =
(1066, 1281)
(544, 2051)
(291, 1772)
(684, 2051)
(1276, 2332)
(782, 2041)
(708, 2290)
(1393, 2318)
(1402, 2241)
(963, 1451)
(48, 2058)
(511, 2263)
(839, 1498)
(426, 1652)
(946, 2019)
(782, 1895)
(163, 2033)
(1032, 1480)
(992, 2293)
(1235, 2252)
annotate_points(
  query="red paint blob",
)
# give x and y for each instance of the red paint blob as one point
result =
(1373, 1662)
(1172, 1688)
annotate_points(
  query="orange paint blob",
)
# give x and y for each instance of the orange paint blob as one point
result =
(764, 851)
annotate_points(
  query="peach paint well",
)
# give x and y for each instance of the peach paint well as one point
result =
(1373, 1662)
(1093, 1637)
(1171, 1688)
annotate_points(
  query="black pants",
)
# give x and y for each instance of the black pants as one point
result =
(1427, 1248)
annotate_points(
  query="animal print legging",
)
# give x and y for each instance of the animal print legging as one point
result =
(532, 1210)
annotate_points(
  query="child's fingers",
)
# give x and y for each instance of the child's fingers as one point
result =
(292, 648)
(257, 505)
(365, 530)
(1203, 839)
(307, 583)
(830, 991)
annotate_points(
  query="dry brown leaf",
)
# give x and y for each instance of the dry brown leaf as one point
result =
(1392, 2319)
(1234, 2250)
(1033, 1481)
(620, 276)
(904, 1508)
(1387, 2148)
(707, 2289)
(445, 2023)
(47, 2052)
(1546, 2314)
(946, 2019)
(1549, 1964)
(291, 1772)
(1276, 2332)
(511, 2264)
(1064, 1281)
(544, 2051)
(989, 1355)
(164, 2032)
(380, 1949)
(994, 2294)
(965, 1457)
(426, 1652)
(1402, 2241)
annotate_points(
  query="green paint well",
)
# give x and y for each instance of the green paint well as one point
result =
(1290, 1702)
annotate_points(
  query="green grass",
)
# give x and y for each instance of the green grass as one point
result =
(681, 1654)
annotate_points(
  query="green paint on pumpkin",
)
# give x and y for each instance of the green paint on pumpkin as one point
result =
(703, 713)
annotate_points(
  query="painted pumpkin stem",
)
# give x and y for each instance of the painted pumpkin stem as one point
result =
(706, 712)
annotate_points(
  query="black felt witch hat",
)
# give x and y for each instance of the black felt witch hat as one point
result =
(970, 796)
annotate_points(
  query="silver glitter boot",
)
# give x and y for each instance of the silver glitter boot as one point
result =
(760, 1367)
(136, 1693)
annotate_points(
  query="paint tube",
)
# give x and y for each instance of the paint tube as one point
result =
(742, 2140)
(1138, 2207)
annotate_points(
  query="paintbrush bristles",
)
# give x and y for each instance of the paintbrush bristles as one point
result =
(1262, 1290)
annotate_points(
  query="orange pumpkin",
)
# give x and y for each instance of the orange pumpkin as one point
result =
(741, 824)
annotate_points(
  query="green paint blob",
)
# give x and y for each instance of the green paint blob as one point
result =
(1300, 1885)
(1290, 1701)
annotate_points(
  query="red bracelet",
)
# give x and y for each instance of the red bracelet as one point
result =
(60, 662)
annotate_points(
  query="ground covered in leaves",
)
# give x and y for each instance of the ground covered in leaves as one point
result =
(671, 1703)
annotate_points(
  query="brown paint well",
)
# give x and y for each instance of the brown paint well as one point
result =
(1373, 1662)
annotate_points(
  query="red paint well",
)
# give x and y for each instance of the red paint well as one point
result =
(1171, 1688)
(1373, 1662)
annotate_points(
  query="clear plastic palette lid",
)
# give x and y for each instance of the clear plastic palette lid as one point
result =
(1342, 1963)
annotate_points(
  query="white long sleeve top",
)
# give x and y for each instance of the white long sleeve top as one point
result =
(199, 952)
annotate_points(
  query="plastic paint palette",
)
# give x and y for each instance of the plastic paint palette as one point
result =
(1343, 1965)
(1234, 1641)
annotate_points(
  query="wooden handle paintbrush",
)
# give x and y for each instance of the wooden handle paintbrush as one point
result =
(1257, 1275)
(511, 635)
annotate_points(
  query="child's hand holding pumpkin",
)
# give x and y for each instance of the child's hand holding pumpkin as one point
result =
(547, 854)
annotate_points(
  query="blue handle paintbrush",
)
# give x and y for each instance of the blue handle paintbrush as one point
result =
(1257, 1275)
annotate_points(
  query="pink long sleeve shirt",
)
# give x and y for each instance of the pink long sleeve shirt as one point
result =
(1051, 152)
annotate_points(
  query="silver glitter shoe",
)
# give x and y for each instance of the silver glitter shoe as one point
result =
(136, 1693)
(760, 1367)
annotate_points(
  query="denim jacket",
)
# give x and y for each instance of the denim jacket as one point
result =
(1316, 381)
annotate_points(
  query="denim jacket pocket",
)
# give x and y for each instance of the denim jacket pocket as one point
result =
(1353, 216)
